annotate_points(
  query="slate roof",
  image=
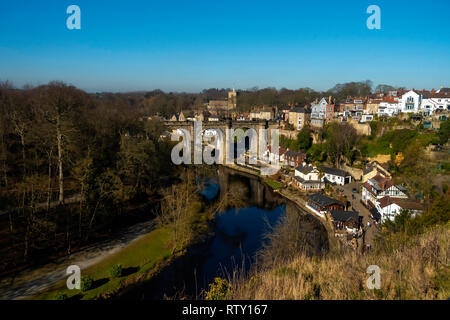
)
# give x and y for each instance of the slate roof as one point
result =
(305, 169)
(292, 153)
(335, 172)
(306, 182)
(299, 110)
(344, 216)
(323, 200)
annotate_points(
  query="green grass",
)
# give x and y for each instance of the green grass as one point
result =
(393, 142)
(139, 257)
(274, 184)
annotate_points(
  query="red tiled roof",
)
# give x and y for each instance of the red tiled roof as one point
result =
(402, 203)
(383, 183)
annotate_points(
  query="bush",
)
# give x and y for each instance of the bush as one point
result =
(61, 296)
(219, 290)
(115, 271)
(86, 283)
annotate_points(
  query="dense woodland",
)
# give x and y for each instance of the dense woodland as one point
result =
(72, 166)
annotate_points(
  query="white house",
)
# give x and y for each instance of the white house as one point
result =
(366, 118)
(273, 157)
(379, 187)
(308, 178)
(435, 101)
(388, 109)
(336, 176)
(390, 207)
(410, 102)
(318, 112)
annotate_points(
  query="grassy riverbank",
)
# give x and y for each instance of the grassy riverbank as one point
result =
(138, 260)
(183, 220)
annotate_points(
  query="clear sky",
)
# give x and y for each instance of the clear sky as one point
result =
(191, 45)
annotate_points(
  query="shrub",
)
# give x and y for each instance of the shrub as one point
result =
(219, 290)
(115, 271)
(86, 283)
(61, 296)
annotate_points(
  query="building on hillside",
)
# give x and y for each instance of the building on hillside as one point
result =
(294, 158)
(336, 176)
(366, 118)
(354, 107)
(410, 102)
(308, 178)
(435, 101)
(262, 113)
(243, 117)
(329, 113)
(273, 157)
(299, 117)
(373, 169)
(347, 221)
(232, 99)
(379, 187)
(321, 204)
(225, 104)
(372, 106)
(218, 105)
(284, 113)
(389, 107)
(390, 207)
(202, 115)
(319, 113)
(338, 109)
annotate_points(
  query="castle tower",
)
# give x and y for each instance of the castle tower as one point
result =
(232, 99)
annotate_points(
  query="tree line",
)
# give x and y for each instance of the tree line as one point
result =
(167, 104)
(72, 164)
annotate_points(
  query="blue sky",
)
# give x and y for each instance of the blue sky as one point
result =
(191, 45)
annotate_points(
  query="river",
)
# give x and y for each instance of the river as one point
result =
(237, 235)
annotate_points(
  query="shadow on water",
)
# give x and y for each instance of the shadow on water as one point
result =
(237, 236)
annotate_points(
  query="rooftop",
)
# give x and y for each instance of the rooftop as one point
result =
(336, 172)
(402, 203)
(323, 200)
(344, 216)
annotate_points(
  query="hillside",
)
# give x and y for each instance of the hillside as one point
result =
(415, 270)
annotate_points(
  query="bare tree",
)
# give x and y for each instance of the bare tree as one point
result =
(59, 103)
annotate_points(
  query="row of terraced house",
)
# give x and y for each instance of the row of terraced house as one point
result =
(362, 109)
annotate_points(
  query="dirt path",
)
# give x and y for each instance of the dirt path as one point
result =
(29, 282)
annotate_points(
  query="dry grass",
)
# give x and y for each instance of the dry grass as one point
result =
(415, 270)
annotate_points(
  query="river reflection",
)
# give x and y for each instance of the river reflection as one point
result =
(237, 236)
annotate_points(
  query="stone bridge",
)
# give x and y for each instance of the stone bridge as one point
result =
(222, 126)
